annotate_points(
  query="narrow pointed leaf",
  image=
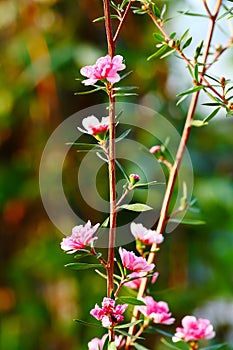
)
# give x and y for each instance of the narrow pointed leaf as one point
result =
(88, 324)
(89, 91)
(212, 115)
(190, 91)
(188, 221)
(102, 157)
(83, 266)
(158, 37)
(81, 144)
(103, 18)
(187, 42)
(131, 301)
(181, 100)
(122, 170)
(182, 345)
(153, 330)
(214, 347)
(158, 53)
(127, 325)
(123, 135)
(127, 334)
(167, 53)
(184, 35)
(139, 207)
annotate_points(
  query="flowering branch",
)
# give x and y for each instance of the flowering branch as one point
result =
(174, 170)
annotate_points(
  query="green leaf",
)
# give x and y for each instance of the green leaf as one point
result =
(123, 135)
(188, 221)
(112, 346)
(210, 104)
(125, 88)
(136, 207)
(156, 11)
(101, 157)
(198, 50)
(127, 325)
(83, 266)
(184, 35)
(79, 256)
(158, 37)
(163, 11)
(124, 2)
(81, 144)
(190, 91)
(188, 13)
(120, 94)
(214, 347)
(198, 123)
(88, 324)
(139, 346)
(89, 91)
(147, 184)
(182, 345)
(196, 76)
(103, 18)
(212, 115)
(172, 35)
(122, 170)
(167, 53)
(187, 42)
(105, 223)
(181, 99)
(131, 301)
(158, 53)
(126, 334)
(153, 330)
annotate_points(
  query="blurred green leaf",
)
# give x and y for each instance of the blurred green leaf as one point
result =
(88, 323)
(139, 346)
(127, 325)
(131, 300)
(212, 115)
(83, 266)
(136, 207)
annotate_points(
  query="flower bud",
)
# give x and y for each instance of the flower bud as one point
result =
(155, 149)
(134, 178)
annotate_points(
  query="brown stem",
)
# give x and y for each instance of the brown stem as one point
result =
(175, 167)
(122, 21)
(111, 163)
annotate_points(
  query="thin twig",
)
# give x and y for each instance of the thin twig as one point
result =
(122, 21)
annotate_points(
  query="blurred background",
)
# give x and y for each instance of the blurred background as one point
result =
(43, 44)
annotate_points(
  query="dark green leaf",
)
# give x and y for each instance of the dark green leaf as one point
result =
(79, 256)
(131, 301)
(211, 104)
(83, 266)
(212, 115)
(126, 334)
(88, 324)
(153, 330)
(172, 35)
(127, 325)
(122, 170)
(198, 50)
(196, 76)
(158, 37)
(139, 207)
(156, 11)
(81, 144)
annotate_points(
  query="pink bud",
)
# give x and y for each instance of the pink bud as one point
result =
(155, 149)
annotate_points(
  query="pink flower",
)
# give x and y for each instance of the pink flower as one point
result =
(80, 238)
(194, 329)
(144, 235)
(93, 126)
(135, 283)
(155, 149)
(109, 314)
(97, 344)
(157, 311)
(133, 262)
(104, 68)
